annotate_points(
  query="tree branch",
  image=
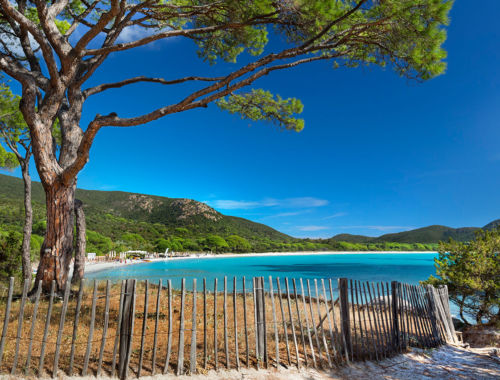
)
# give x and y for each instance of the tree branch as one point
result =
(107, 86)
(77, 19)
(116, 6)
(30, 26)
(172, 33)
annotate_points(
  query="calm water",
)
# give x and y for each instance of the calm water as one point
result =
(409, 267)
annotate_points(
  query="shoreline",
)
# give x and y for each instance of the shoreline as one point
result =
(98, 267)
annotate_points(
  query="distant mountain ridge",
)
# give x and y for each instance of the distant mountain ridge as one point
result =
(113, 213)
(430, 234)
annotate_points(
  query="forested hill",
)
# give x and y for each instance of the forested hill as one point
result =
(105, 210)
(430, 234)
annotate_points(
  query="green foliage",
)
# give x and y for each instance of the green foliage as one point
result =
(262, 105)
(238, 244)
(216, 243)
(471, 272)
(12, 126)
(133, 240)
(10, 256)
(98, 243)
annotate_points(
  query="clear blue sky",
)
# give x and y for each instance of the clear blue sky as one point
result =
(378, 153)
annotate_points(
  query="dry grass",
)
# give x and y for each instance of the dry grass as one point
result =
(374, 322)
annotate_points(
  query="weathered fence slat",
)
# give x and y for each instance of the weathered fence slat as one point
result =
(344, 315)
(6, 318)
(330, 327)
(308, 327)
(415, 314)
(157, 321)
(105, 328)
(170, 328)
(245, 322)
(299, 319)
(291, 323)
(362, 320)
(384, 324)
(205, 342)
(365, 306)
(118, 329)
(180, 354)
(428, 312)
(402, 315)
(20, 325)
(75, 328)
(433, 313)
(337, 335)
(144, 326)
(388, 313)
(446, 304)
(235, 321)
(323, 336)
(362, 339)
(216, 353)
(60, 331)
(313, 323)
(32, 330)
(395, 312)
(132, 323)
(283, 320)
(376, 321)
(276, 337)
(91, 331)
(422, 309)
(127, 328)
(226, 344)
(355, 330)
(256, 323)
(46, 330)
(192, 358)
(264, 321)
(437, 328)
(260, 336)
(413, 311)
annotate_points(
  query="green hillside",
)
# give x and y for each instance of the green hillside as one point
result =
(116, 215)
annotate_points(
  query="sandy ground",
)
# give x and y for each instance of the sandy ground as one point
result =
(445, 363)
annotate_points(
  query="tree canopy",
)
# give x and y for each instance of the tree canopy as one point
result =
(53, 64)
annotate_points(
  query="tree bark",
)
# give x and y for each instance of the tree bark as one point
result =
(81, 243)
(57, 248)
(28, 222)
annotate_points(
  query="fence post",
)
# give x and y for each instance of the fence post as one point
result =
(126, 328)
(344, 314)
(445, 300)
(259, 293)
(395, 310)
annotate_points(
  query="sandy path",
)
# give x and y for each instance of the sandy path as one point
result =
(446, 363)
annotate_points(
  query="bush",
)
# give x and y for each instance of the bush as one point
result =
(10, 256)
(471, 272)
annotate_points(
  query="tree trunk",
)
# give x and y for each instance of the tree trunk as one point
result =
(57, 248)
(81, 243)
(28, 223)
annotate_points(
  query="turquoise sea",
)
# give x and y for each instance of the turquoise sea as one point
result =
(404, 267)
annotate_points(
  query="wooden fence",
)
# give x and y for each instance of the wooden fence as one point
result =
(142, 328)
